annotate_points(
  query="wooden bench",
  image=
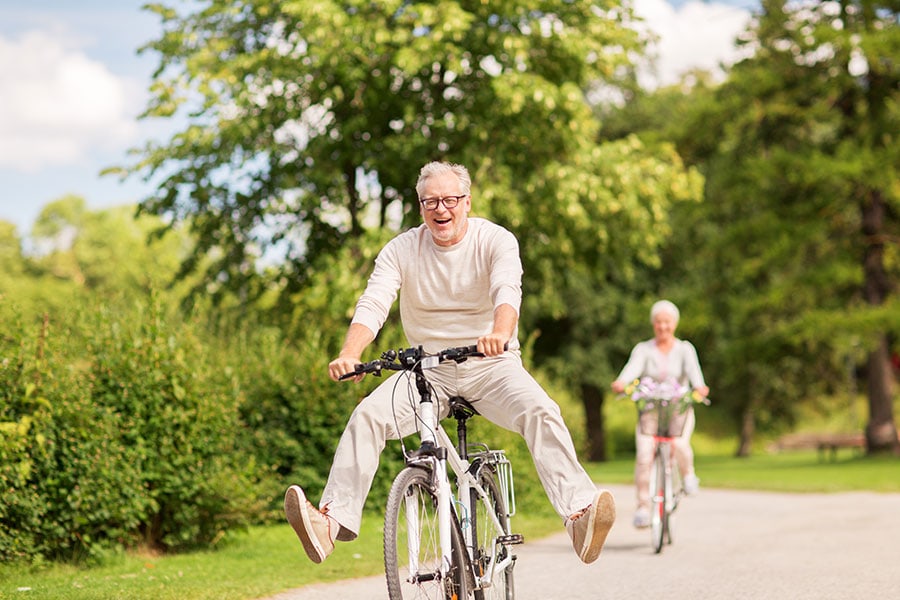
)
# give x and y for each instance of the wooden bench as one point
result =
(822, 442)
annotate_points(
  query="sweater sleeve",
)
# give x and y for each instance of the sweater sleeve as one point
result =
(374, 305)
(692, 365)
(636, 365)
(506, 272)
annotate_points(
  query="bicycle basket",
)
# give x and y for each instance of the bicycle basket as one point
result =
(665, 420)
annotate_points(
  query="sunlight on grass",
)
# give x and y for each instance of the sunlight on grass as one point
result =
(256, 564)
(268, 560)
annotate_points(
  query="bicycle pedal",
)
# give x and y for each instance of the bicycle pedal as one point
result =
(511, 539)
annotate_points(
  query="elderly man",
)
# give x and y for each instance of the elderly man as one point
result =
(459, 281)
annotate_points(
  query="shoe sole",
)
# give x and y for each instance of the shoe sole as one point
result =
(601, 521)
(295, 509)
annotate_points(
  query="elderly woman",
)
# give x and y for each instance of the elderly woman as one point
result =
(661, 358)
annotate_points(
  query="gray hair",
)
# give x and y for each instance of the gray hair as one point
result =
(438, 168)
(664, 306)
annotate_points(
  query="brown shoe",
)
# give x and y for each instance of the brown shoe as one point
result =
(311, 525)
(589, 527)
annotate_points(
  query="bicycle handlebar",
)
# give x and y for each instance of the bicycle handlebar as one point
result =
(408, 359)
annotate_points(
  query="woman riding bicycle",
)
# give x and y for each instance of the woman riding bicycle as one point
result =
(459, 280)
(661, 358)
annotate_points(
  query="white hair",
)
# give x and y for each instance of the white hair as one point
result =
(438, 168)
(664, 306)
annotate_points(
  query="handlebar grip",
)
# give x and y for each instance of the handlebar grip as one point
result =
(473, 350)
(374, 366)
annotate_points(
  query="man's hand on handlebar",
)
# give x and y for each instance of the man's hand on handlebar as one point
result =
(344, 368)
(343, 365)
(492, 344)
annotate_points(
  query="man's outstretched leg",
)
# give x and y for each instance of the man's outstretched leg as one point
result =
(316, 530)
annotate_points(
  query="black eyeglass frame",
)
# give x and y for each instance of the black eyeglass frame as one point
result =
(449, 202)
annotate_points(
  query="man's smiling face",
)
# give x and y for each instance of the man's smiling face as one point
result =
(447, 225)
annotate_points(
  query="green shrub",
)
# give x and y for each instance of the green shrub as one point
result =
(178, 416)
(24, 412)
(295, 413)
(117, 429)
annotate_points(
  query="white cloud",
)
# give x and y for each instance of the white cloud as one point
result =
(58, 105)
(697, 35)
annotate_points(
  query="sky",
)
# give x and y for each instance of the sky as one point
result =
(72, 85)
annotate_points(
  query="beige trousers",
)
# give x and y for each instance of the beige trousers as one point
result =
(500, 389)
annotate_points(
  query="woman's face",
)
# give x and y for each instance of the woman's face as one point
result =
(664, 326)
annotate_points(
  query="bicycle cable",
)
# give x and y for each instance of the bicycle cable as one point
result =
(412, 395)
(404, 375)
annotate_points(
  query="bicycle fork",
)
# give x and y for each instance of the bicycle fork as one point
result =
(438, 459)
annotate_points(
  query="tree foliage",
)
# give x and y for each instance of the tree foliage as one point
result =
(793, 257)
(306, 122)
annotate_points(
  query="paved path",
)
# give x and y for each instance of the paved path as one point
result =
(730, 545)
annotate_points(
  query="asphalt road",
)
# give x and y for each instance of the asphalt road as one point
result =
(727, 545)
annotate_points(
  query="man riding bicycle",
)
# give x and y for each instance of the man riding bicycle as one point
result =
(459, 281)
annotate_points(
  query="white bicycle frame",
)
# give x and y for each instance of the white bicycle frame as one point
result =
(430, 430)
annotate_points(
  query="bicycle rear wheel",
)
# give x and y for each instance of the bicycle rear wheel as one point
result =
(485, 531)
(658, 513)
(412, 545)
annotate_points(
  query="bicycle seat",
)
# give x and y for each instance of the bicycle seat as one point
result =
(460, 408)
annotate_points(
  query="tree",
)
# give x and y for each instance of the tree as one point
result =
(11, 259)
(598, 230)
(302, 118)
(105, 251)
(307, 121)
(800, 152)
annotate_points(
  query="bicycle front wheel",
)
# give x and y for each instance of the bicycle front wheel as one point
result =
(676, 490)
(658, 514)
(412, 545)
(491, 522)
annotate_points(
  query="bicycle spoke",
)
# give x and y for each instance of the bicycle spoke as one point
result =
(412, 548)
(493, 561)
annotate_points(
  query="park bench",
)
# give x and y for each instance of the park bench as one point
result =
(827, 444)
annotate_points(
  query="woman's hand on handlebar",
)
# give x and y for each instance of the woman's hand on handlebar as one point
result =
(343, 365)
(492, 344)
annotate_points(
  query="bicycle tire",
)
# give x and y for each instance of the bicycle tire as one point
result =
(658, 513)
(484, 531)
(413, 503)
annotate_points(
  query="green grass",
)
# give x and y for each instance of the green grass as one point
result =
(262, 562)
(801, 472)
(269, 559)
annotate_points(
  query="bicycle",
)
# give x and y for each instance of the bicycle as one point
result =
(664, 422)
(437, 544)
(662, 413)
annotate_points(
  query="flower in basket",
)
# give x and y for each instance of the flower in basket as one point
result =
(649, 393)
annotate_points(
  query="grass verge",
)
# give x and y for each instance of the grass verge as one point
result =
(266, 560)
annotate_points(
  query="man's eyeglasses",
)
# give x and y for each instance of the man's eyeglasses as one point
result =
(448, 202)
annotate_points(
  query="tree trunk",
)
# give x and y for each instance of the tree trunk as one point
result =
(748, 429)
(881, 432)
(592, 399)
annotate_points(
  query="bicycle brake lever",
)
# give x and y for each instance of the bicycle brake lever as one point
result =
(374, 368)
